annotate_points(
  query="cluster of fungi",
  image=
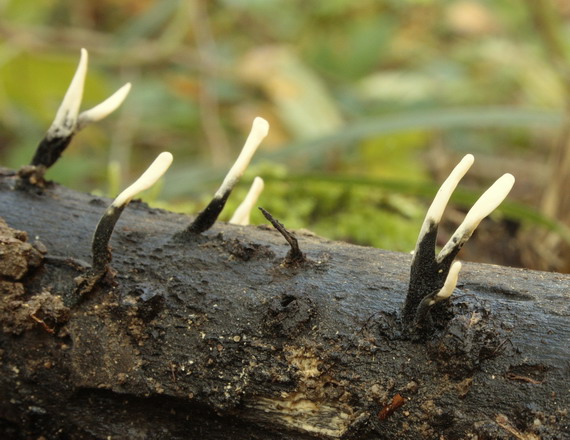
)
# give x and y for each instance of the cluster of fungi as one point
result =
(433, 277)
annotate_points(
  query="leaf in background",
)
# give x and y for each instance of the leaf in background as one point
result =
(402, 86)
(37, 82)
(188, 178)
(149, 22)
(461, 196)
(300, 96)
(25, 11)
(353, 48)
(420, 120)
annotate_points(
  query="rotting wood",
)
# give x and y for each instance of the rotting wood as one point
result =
(210, 335)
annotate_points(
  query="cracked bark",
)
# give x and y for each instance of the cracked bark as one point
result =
(211, 335)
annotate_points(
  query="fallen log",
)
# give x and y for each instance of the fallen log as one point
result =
(212, 335)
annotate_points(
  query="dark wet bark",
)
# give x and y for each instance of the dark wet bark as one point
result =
(210, 336)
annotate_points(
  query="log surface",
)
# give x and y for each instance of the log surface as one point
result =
(212, 336)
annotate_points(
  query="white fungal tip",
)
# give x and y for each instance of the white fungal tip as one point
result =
(486, 204)
(243, 211)
(105, 108)
(443, 195)
(66, 117)
(261, 126)
(259, 130)
(146, 180)
(450, 283)
(490, 199)
(468, 160)
(441, 199)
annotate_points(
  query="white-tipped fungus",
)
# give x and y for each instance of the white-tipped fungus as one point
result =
(243, 211)
(433, 278)
(105, 108)
(68, 120)
(99, 246)
(154, 172)
(259, 130)
(486, 204)
(441, 199)
(209, 215)
(66, 117)
(449, 285)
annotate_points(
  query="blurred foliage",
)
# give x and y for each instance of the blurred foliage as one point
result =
(371, 103)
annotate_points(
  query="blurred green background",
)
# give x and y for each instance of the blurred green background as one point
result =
(371, 104)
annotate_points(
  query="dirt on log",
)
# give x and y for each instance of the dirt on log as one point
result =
(211, 336)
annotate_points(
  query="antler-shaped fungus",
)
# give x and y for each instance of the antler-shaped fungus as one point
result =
(69, 121)
(433, 277)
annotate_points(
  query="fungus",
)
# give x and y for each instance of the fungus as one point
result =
(439, 295)
(209, 215)
(243, 211)
(433, 277)
(69, 121)
(100, 244)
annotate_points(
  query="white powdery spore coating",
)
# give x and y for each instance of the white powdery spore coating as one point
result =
(435, 211)
(243, 211)
(66, 116)
(437, 207)
(486, 204)
(105, 108)
(259, 131)
(489, 201)
(450, 283)
(146, 180)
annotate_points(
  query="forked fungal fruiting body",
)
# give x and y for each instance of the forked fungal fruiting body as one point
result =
(433, 277)
(68, 121)
(209, 215)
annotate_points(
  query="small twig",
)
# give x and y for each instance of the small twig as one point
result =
(42, 323)
(388, 410)
(294, 256)
(512, 376)
(142, 53)
(548, 27)
(74, 263)
(505, 423)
